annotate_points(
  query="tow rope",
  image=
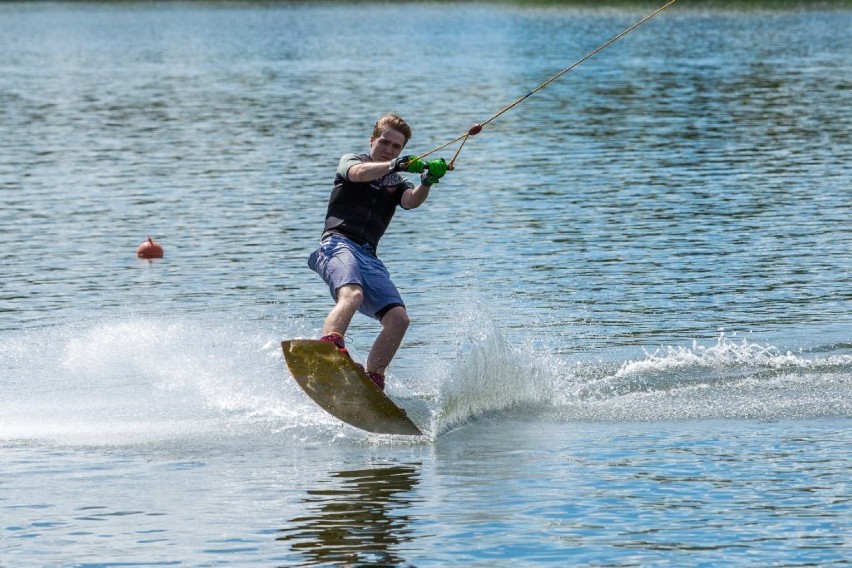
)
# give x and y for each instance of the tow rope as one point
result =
(477, 128)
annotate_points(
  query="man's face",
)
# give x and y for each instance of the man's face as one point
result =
(387, 146)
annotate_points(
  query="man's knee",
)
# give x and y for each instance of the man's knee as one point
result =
(396, 319)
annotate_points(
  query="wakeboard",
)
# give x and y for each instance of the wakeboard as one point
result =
(342, 388)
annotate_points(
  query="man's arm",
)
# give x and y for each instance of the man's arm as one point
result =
(432, 173)
(414, 198)
(368, 171)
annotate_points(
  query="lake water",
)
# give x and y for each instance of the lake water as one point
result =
(631, 301)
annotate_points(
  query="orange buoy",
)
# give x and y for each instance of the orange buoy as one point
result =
(150, 249)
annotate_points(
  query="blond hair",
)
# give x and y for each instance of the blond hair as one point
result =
(392, 121)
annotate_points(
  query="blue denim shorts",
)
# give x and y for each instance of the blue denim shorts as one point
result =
(340, 261)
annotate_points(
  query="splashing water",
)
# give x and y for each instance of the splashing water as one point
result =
(726, 380)
(143, 380)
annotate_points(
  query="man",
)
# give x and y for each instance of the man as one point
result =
(367, 190)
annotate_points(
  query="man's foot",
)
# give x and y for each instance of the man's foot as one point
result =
(377, 378)
(337, 340)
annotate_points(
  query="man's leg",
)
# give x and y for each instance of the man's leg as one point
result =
(349, 299)
(394, 325)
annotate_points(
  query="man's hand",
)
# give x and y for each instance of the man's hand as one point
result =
(408, 164)
(433, 171)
